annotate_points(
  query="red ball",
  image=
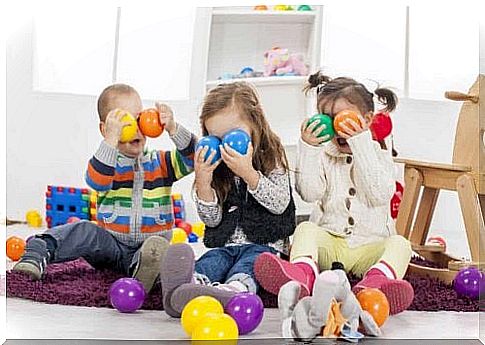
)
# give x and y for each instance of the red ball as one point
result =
(381, 126)
(185, 226)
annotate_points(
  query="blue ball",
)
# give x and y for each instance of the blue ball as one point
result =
(213, 143)
(238, 140)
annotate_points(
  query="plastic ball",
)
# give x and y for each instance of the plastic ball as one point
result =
(213, 143)
(198, 228)
(247, 310)
(342, 117)
(128, 133)
(178, 236)
(381, 126)
(238, 140)
(261, 8)
(185, 226)
(197, 309)
(469, 282)
(304, 8)
(33, 218)
(149, 122)
(127, 295)
(216, 327)
(323, 119)
(247, 71)
(375, 302)
(192, 238)
(15, 247)
(71, 220)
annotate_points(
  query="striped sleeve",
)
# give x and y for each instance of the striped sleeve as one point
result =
(101, 168)
(180, 162)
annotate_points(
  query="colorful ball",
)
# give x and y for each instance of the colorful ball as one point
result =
(213, 143)
(198, 228)
(197, 309)
(238, 140)
(71, 220)
(469, 282)
(381, 126)
(261, 7)
(247, 310)
(149, 122)
(342, 117)
(375, 302)
(127, 295)
(128, 133)
(216, 327)
(15, 247)
(304, 8)
(178, 236)
(323, 119)
(280, 7)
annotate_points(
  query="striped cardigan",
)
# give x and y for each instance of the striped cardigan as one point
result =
(134, 194)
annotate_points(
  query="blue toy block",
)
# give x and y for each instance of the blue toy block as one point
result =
(179, 203)
(192, 238)
(65, 202)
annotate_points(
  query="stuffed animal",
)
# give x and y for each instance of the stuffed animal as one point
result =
(278, 61)
(332, 307)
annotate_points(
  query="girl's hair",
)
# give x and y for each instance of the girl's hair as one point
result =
(268, 150)
(329, 90)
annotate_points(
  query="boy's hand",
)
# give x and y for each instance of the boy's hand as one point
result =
(241, 165)
(352, 128)
(204, 171)
(166, 117)
(113, 127)
(309, 134)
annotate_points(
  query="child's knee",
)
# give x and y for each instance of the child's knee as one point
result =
(304, 229)
(398, 241)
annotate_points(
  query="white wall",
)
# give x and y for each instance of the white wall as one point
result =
(51, 137)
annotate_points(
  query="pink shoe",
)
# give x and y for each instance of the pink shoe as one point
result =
(399, 292)
(272, 273)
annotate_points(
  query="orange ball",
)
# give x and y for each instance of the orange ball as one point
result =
(149, 123)
(15, 248)
(344, 116)
(375, 302)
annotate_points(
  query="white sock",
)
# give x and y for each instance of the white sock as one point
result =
(238, 285)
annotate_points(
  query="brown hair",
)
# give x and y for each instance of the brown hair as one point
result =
(106, 98)
(329, 90)
(268, 150)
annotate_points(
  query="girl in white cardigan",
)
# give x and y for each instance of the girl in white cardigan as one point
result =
(351, 180)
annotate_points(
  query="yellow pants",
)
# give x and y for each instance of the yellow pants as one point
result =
(310, 240)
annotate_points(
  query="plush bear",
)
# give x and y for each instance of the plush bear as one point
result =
(333, 308)
(278, 61)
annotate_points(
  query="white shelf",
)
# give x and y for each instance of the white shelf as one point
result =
(268, 16)
(263, 81)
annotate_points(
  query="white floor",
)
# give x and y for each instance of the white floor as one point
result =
(30, 320)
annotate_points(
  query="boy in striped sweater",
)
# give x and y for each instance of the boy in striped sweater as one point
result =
(134, 186)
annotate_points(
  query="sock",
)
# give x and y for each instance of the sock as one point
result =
(381, 268)
(309, 267)
(239, 285)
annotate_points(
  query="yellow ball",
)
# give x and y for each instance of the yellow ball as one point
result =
(197, 309)
(198, 228)
(280, 8)
(128, 133)
(178, 236)
(216, 327)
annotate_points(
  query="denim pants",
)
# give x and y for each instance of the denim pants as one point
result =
(232, 263)
(94, 244)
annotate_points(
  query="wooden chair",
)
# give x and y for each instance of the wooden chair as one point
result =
(466, 175)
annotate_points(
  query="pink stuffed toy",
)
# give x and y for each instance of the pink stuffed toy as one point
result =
(278, 61)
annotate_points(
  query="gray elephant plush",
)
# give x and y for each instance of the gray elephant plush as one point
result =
(333, 309)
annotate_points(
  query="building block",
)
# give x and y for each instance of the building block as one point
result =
(65, 202)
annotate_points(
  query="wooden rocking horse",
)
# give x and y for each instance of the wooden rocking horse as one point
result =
(466, 176)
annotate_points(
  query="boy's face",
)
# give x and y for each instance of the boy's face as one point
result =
(131, 103)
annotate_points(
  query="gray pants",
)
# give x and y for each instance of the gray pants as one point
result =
(94, 244)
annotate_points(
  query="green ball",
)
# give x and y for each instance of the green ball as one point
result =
(304, 8)
(323, 119)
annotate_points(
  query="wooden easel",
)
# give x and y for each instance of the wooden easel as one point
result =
(466, 176)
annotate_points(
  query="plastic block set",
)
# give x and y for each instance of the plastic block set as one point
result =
(63, 203)
(178, 206)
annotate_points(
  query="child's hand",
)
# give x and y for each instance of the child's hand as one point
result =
(204, 169)
(166, 117)
(352, 128)
(241, 165)
(309, 134)
(113, 126)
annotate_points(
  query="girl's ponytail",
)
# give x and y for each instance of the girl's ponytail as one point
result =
(315, 80)
(387, 98)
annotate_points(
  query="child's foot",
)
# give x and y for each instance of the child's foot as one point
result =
(399, 292)
(272, 273)
(34, 261)
(148, 267)
(187, 292)
(177, 268)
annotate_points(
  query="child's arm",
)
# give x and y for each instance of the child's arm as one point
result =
(273, 192)
(373, 168)
(311, 183)
(210, 212)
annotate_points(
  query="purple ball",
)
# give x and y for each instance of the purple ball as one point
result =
(127, 295)
(467, 282)
(247, 309)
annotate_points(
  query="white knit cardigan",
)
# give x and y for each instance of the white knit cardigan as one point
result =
(352, 192)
